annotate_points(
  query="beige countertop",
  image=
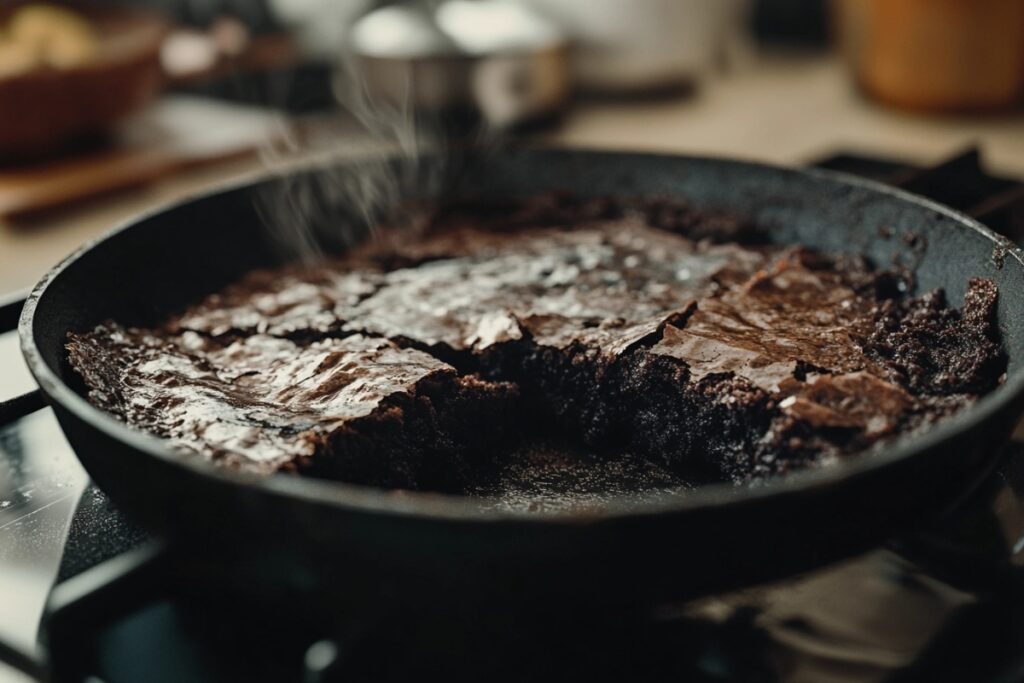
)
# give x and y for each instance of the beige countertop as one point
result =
(790, 111)
(780, 110)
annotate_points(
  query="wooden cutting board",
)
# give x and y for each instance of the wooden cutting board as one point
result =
(177, 132)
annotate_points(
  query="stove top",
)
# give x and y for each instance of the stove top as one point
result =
(943, 604)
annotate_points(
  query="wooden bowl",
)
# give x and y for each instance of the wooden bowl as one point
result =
(45, 108)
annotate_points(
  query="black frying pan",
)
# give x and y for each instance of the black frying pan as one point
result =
(317, 536)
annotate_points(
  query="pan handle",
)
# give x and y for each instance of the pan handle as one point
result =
(19, 406)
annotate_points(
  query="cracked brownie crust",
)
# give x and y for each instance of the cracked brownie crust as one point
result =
(647, 334)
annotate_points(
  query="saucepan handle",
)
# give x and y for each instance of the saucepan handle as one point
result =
(19, 406)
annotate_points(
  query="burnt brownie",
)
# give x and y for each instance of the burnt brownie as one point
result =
(359, 408)
(427, 358)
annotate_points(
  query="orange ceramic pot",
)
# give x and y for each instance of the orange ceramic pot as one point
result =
(937, 55)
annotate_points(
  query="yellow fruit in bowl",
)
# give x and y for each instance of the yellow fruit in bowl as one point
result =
(16, 58)
(51, 35)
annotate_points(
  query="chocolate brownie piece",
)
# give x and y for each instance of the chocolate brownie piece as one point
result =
(644, 329)
(937, 350)
(606, 283)
(299, 300)
(359, 409)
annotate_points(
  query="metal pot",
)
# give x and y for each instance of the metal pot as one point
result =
(644, 45)
(494, 58)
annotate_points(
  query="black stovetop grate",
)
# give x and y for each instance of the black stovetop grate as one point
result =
(960, 182)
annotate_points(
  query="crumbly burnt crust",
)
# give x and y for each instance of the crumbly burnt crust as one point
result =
(657, 330)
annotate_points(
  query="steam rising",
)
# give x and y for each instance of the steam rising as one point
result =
(379, 155)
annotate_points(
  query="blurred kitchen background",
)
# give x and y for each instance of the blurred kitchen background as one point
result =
(109, 108)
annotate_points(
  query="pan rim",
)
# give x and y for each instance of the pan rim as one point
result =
(450, 507)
